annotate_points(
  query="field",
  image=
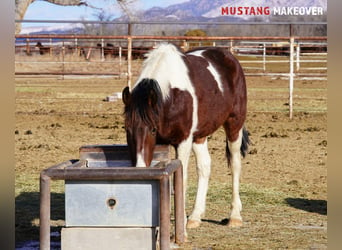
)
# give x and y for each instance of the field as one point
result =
(284, 179)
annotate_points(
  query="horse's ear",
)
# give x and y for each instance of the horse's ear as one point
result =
(126, 96)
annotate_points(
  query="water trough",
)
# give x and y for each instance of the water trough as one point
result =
(110, 203)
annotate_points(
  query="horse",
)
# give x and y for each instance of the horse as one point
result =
(108, 49)
(182, 98)
(43, 49)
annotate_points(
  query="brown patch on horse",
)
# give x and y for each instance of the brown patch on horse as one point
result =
(176, 123)
(200, 140)
(211, 114)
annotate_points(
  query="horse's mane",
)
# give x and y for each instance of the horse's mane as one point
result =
(166, 65)
(146, 102)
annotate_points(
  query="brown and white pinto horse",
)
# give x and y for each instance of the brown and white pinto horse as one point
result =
(180, 99)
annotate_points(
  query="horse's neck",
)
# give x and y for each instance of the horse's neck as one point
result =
(167, 67)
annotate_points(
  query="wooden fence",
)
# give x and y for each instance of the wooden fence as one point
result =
(297, 57)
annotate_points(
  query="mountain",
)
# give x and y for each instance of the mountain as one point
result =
(201, 11)
(53, 29)
(187, 11)
(192, 10)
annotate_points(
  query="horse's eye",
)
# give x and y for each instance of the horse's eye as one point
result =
(153, 131)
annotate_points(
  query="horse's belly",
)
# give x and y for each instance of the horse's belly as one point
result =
(207, 128)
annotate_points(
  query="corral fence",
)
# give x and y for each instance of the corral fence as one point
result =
(291, 57)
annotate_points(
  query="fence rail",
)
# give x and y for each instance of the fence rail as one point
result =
(290, 57)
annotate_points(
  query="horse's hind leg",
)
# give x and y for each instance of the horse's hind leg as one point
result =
(234, 159)
(203, 162)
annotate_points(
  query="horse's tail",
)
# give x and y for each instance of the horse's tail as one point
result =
(245, 142)
(244, 145)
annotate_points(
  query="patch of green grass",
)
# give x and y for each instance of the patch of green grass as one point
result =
(257, 197)
(32, 89)
(251, 196)
(81, 95)
(275, 89)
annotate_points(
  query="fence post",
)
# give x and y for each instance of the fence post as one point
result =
(129, 61)
(28, 51)
(120, 60)
(51, 46)
(298, 57)
(63, 60)
(291, 76)
(185, 45)
(264, 58)
(102, 49)
(76, 47)
(45, 211)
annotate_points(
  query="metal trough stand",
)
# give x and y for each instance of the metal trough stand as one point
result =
(111, 163)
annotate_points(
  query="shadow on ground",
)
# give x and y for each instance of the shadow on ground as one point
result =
(27, 216)
(313, 206)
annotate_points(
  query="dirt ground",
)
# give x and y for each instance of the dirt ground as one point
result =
(284, 179)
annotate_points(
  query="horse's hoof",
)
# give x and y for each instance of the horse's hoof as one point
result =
(234, 223)
(193, 224)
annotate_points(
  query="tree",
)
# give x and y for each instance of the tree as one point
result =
(100, 28)
(196, 32)
(127, 6)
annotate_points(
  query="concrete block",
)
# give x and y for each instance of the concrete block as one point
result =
(108, 238)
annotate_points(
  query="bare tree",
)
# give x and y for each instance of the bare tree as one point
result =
(126, 6)
(102, 28)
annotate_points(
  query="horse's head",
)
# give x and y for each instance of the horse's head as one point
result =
(142, 115)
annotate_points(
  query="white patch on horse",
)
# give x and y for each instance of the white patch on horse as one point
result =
(196, 53)
(166, 65)
(210, 68)
(234, 148)
(140, 161)
(203, 161)
(216, 76)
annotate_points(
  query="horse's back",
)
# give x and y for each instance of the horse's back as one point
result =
(221, 62)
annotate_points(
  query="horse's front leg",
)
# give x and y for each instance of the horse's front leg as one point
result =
(235, 161)
(203, 163)
(183, 153)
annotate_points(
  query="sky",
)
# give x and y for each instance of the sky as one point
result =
(41, 10)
